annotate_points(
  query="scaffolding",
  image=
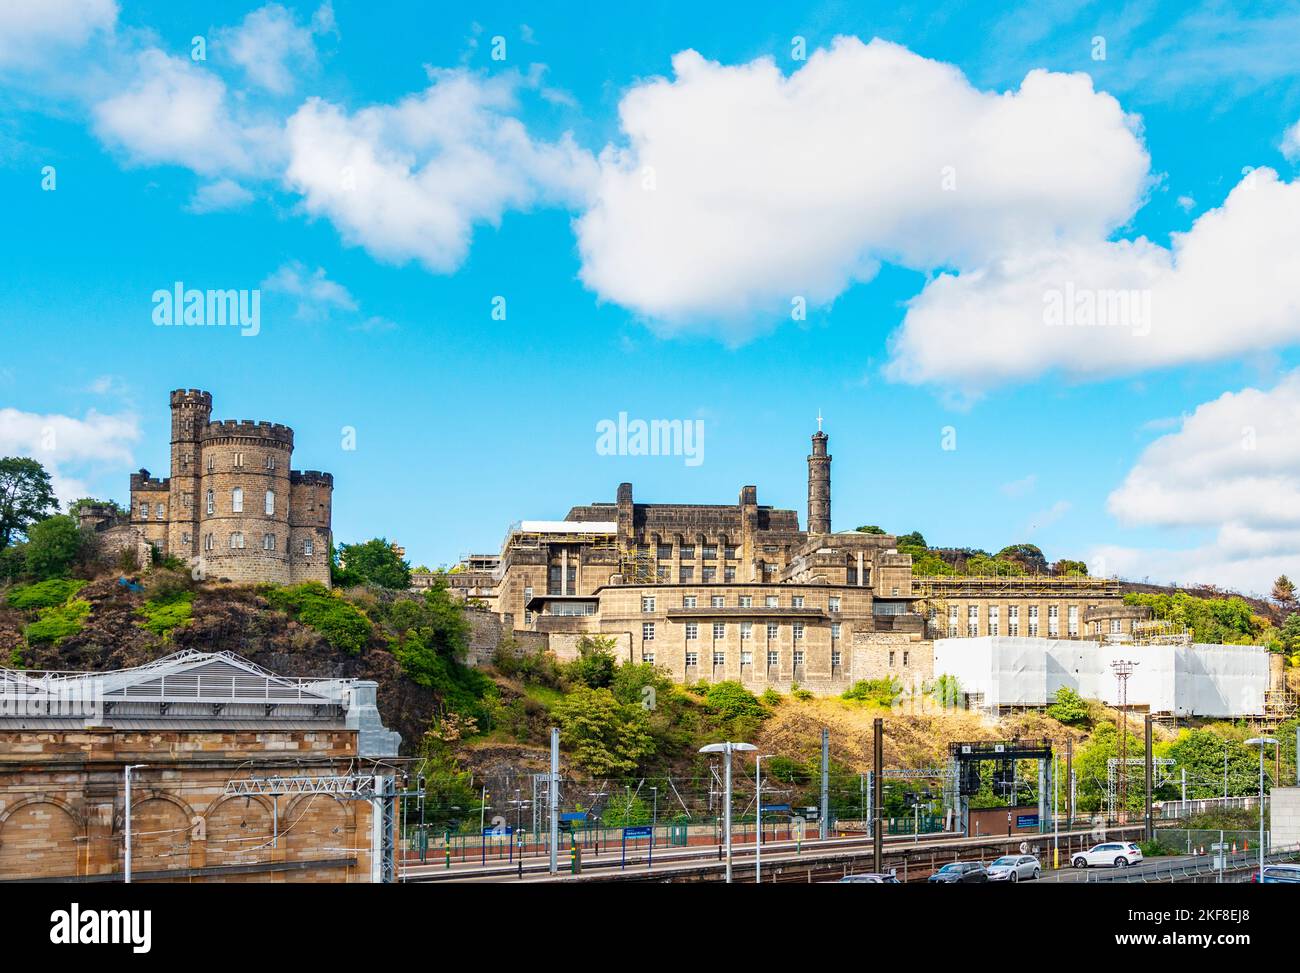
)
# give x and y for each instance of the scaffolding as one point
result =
(939, 587)
(637, 564)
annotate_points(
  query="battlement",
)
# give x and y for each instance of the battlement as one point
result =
(143, 481)
(191, 397)
(311, 478)
(247, 428)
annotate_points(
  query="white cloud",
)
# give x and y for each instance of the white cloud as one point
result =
(1291, 143)
(175, 112)
(69, 448)
(32, 32)
(223, 194)
(412, 180)
(270, 45)
(315, 293)
(740, 188)
(1232, 466)
(1020, 488)
(1227, 287)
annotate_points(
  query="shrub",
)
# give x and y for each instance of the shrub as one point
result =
(1070, 708)
(879, 692)
(730, 699)
(771, 697)
(162, 614)
(53, 546)
(57, 623)
(338, 621)
(44, 594)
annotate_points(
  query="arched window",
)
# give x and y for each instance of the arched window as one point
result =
(208, 542)
(212, 503)
(144, 510)
(268, 542)
(237, 500)
(270, 502)
(237, 541)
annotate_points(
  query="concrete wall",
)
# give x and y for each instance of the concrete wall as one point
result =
(1284, 817)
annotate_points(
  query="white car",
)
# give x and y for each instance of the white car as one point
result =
(1013, 868)
(1121, 854)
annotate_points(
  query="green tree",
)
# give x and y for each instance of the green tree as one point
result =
(75, 508)
(626, 808)
(1070, 708)
(1202, 752)
(604, 737)
(26, 496)
(1028, 556)
(870, 529)
(1070, 569)
(374, 562)
(1284, 592)
(914, 539)
(53, 547)
(729, 700)
(594, 666)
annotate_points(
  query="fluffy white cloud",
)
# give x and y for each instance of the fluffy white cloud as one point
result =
(314, 292)
(740, 188)
(33, 31)
(270, 45)
(1291, 143)
(174, 111)
(68, 447)
(411, 180)
(1228, 286)
(222, 194)
(1234, 466)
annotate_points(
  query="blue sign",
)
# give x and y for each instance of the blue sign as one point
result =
(1026, 820)
(775, 808)
(574, 816)
(492, 831)
(645, 832)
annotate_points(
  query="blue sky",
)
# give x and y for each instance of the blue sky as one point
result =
(380, 178)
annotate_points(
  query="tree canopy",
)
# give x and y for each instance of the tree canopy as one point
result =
(26, 496)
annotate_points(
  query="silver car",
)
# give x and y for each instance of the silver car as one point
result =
(1015, 868)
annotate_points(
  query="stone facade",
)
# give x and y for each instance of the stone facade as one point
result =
(232, 506)
(1033, 607)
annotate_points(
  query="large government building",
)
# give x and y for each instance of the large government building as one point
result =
(740, 591)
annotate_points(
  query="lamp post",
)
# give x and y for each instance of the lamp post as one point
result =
(727, 749)
(127, 771)
(1261, 742)
(758, 816)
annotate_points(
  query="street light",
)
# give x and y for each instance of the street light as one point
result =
(127, 771)
(1261, 742)
(758, 816)
(726, 749)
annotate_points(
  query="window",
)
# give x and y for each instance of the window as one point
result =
(709, 575)
(648, 604)
(268, 542)
(688, 601)
(270, 502)
(237, 541)
(710, 552)
(719, 658)
(270, 462)
(797, 601)
(746, 658)
(717, 601)
(891, 660)
(647, 631)
(692, 631)
(209, 542)
(719, 630)
(798, 658)
(528, 596)
(212, 503)
(648, 658)
(746, 631)
(771, 630)
(952, 621)
(729, 575)
(1033, 621)
(237, 500)
(692, 660)
(144, 510)
(835, 630)
(746, 601)
(664, 552)
(158, 511)
(835, 658)
(798, 631)
(1073, 622)
(687, 575)
(771, 601)
(769, 569)
(993, 620)
(729, 552)
(239, 459)
(1013, 620)
(688, 552)
(972, 620)
(661, 574)
(185, 537)
(308, 548)
(1115, 626)
(834, 604)
(1053, 620)
(905, 655)
(772, 657)
(212, 463)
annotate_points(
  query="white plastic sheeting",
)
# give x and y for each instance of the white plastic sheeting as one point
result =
(1196, 680)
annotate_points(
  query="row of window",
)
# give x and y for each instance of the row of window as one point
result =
(1013, 620)
(237, 461)
(269, 543)
(797, 631)
(746, 658)
(144, 511)
(648, 602)
(237, 502)
(708, 552)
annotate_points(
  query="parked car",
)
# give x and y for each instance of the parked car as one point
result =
(1121, 854)
(872, 878)
(955, 872)
(1013, 868)
(1278, 874)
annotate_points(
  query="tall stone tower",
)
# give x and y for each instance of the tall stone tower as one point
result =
(191, 412)
(819, 484)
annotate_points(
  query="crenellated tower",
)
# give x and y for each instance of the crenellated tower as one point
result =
(191, 412)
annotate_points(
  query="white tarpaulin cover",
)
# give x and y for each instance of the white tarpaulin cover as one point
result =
(1196, 680)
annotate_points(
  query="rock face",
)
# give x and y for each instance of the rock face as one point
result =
(230, 618)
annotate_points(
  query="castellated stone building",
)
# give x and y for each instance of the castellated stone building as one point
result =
(233, 506)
